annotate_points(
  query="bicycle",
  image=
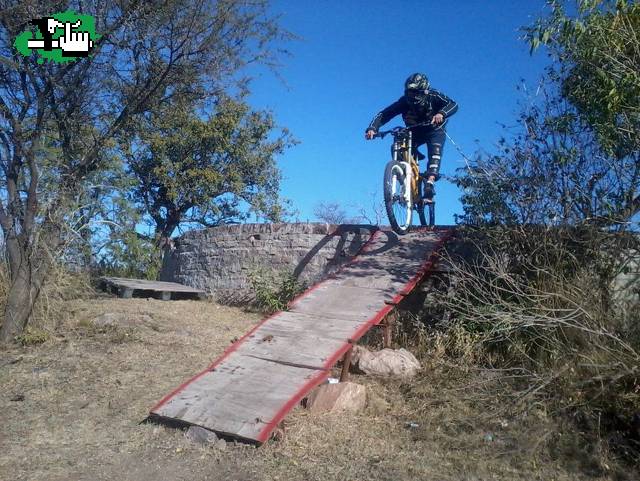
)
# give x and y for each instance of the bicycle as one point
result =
(403, 184)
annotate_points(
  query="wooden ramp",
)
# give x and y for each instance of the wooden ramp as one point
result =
(248, 390)
(128, 288)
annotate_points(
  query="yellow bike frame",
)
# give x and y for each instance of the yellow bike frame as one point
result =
(404, 148)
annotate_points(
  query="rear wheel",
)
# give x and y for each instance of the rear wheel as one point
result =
(426, 210)
(399, 210)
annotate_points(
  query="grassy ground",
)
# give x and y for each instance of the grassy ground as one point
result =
(72, 409)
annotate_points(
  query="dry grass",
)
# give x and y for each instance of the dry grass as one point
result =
(50, 309)
(86, 389)
(73, 406)
(73, 399)
(535, 316)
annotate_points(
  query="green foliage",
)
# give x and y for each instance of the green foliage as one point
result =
(205, 169)
(598, 51)
(274, 290)
(575, 156)
(551, 171)
(131, 255)
(32, 337)
(540, 303)
(59, 122)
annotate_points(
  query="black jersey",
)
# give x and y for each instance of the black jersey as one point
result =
(435, 102)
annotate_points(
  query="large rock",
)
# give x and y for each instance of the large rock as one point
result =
(385, 363)
(200, 435)
(344, 396)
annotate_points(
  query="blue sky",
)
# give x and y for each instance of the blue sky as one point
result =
(351, 61)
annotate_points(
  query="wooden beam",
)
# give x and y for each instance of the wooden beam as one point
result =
(346, 363)
(387, 332)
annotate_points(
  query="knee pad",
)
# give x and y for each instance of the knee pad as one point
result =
(435, 155)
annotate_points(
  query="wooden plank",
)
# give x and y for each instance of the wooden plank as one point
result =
(401, 263)
(301, 348)
(239, 398)
(289, 319)
(295, 322)
(354, 303)
(379, 280)
(142, 284)
(393, 259)
(385, 242)
(299, 338)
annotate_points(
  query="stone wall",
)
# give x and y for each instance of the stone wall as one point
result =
(221, 259)
(626, 284)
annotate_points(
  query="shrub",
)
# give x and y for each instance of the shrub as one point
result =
(274, 290)
(32, 336)
(541, 305)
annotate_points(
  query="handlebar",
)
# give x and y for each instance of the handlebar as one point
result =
(400, 130)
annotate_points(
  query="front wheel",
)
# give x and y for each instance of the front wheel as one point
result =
(397, 197)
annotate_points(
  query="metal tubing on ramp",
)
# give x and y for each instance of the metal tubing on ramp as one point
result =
(250, 388)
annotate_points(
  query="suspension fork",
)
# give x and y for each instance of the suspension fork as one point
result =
(407, 172)
(406, 165)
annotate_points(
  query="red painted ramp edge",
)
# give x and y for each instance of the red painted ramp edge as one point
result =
(429, 261)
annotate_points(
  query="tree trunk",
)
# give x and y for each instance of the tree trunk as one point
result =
(27, 275)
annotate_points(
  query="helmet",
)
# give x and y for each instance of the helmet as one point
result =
(416, 88)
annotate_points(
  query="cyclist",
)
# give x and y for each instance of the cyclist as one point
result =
(420, 104)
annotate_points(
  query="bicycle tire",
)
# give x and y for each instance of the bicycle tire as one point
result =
(421, 206)
(432, 214)
(400, 218)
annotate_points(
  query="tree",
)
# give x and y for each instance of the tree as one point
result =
(331, 213)
(576, 155)
(58, 121)
(551, 171)
(598, 56)
(204, 171)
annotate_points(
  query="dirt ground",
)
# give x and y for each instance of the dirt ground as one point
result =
(72, 409)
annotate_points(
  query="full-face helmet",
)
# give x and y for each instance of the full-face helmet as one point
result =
(416, 88)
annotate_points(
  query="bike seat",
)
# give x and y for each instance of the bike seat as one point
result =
(420, 155)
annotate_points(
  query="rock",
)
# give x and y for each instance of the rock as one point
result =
(201, 435)
(344, 396)
(385, 363)
(221, 445)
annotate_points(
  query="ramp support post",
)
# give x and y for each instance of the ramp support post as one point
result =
(387, 333)
(125, 292)
(346, 363)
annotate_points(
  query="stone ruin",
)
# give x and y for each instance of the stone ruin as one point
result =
(220, 260)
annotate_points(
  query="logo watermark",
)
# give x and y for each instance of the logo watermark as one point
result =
(61, 37)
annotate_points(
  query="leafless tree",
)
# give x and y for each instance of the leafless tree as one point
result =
(331, 213)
